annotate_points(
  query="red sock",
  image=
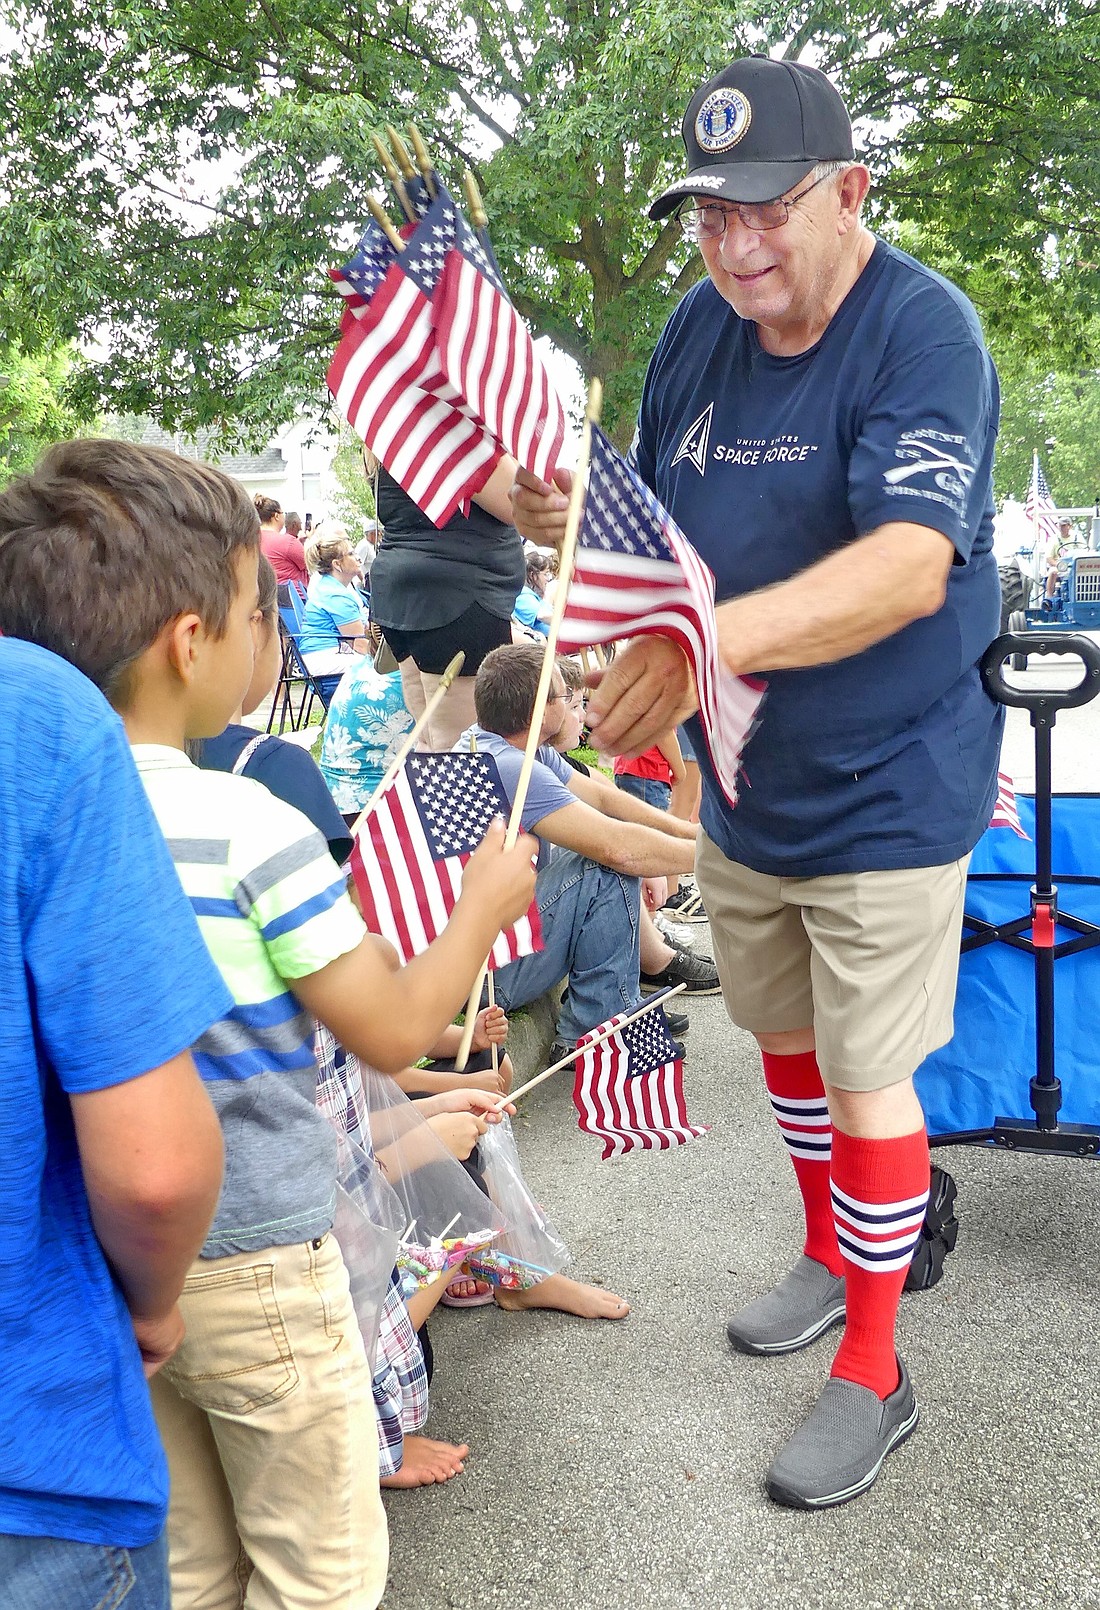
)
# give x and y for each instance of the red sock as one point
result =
(798, 1101)
(880, 1193)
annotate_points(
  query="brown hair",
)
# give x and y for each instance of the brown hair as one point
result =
(105, 542)
(572, 673)
(267, 508)
(505, 688)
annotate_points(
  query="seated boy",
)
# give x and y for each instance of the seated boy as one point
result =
(266, 1410)
(593, 853)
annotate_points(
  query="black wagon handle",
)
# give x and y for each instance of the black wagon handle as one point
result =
(1035, 699)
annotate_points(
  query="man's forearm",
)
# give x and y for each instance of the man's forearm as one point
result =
(644, 852)
(626, 807)
(838, 607)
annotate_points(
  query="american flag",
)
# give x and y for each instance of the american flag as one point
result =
(362, 274)
(1039, 505)
(629, 1089)
(488, 355)
(636, 574)
(386, 375)
(408, 858)
(1005, 813)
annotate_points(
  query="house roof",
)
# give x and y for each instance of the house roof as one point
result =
(270, 464)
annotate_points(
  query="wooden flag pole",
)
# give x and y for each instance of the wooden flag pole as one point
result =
(409, 743)
(393, 174)
(423, 160)
(549, 658)
(598, 1039)
(385, 223)
(488, 982)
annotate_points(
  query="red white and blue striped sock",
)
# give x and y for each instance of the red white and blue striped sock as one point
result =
(802, 1113)
(880, 1194)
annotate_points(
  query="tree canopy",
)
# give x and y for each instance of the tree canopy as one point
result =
(176, 178)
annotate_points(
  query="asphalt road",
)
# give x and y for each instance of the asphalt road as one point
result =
(618, 1467)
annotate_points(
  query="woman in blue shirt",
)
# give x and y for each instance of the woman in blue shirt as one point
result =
(334, 624)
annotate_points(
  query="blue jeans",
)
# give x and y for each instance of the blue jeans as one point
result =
(650, 790)
(52, 1573)
(589, 917)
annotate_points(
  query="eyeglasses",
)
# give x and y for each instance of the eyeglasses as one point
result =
(712, 219)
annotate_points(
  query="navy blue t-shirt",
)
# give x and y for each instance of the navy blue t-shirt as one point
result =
(103, 976)
(288, 772)
(887, 758)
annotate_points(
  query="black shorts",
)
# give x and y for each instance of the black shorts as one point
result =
(475, 633)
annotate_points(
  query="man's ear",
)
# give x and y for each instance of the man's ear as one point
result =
(854, 185)
(182, 641)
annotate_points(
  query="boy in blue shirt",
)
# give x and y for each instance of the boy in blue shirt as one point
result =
(266, 1410)
(110, 1158)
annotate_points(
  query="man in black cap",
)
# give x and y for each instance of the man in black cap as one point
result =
(819, 417)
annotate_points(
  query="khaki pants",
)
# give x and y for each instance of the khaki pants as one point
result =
(868, 960)
(268, 1420)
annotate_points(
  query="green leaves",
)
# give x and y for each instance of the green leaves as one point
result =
(178, 178)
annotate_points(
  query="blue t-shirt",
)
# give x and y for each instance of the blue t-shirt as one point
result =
(103, 976)
(528, 604)
(887, 758)
(548, 789)
(329, 605)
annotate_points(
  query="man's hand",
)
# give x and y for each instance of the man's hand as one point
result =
(502, 880)
(646, 690)
(158, 1339)
(490, 1028)
(538, 510)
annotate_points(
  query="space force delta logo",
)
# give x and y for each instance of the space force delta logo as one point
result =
(695, 442)
(746, 452)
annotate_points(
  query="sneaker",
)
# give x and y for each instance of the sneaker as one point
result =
(686, 905)
(677, 934)
(838, 1451)
(697, 972)
(678, 1024)
(805, 1304)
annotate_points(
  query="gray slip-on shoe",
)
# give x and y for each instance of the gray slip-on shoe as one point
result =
(805, 1304)
(838, 1451)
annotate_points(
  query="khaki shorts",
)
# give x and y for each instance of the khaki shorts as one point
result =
(869, 960)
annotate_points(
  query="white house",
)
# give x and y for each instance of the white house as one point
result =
(295, 468)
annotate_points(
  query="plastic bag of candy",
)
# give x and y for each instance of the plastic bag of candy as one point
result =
(530, 1248)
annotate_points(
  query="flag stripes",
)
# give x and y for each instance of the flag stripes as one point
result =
(409, 882)
(636, 574)
(1005, 813)
(629, 1089)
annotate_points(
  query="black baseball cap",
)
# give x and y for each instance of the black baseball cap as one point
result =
(757, 128)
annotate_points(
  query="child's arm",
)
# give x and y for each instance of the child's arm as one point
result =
(387, 1014)
(669, 745)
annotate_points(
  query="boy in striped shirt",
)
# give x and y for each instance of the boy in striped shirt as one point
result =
(266, 1410)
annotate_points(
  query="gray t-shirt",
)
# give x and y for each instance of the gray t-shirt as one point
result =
(548, 789)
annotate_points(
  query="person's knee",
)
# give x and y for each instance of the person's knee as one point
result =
(876, 1114)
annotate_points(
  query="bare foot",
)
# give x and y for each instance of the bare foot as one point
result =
(466, 1289)
(569, 1296)
(426, 1462)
